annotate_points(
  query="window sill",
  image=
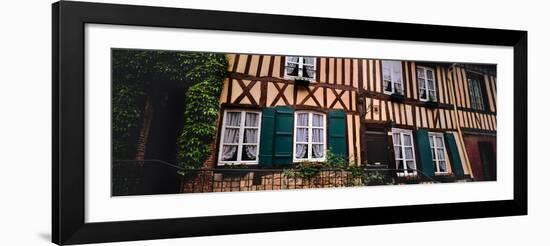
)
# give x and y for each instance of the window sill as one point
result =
(397, 97)
(431, 104)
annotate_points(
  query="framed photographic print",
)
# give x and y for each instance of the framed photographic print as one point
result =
(176, 122)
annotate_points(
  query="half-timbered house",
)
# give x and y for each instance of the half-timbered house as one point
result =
(438, 119)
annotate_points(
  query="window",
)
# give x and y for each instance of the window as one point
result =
(403, 147)
(393, 77)
(309, 136)
(438, 152)
(240, 137)
(426, 83)
(476, 97)
(300, 67)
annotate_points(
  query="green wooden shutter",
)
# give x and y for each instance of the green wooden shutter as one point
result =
(454, 155)
(266, 137)
(283, 135)
(425, 152)
(337, 132)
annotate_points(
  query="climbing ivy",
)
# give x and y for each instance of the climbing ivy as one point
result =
(135, 73)
(201, 112)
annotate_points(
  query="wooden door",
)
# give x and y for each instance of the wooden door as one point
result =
(377, 146)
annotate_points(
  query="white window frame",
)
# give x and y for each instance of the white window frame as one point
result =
(310, 142)
(240, 144)
(433, 136)
(426, 88)
(300, 68)
(405, 171)
(392, 79)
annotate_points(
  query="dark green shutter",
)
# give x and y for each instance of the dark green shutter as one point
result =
(337, 132)
(266, 137)
(425, 152)
(283, 136)
(454, 155)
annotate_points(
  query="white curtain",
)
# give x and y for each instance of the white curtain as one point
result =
(317, 135)
(396, 76)
(251, 119)
(407, 140)
(439, 141)
(302, 120)
(301, 150)
(301, 136)
(251, 136)
(251, 151)
(231, 135)
(408, 153)
(228, 153)
(318, 150)
(410, 165)
(317, 120)
(233, 119)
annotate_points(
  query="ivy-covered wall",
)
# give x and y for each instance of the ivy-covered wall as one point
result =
(139, 75)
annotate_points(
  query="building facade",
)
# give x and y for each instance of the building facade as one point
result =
(438, 119)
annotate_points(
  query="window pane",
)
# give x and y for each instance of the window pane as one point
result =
(301, 151)
(397, 139)
(388, 85)
(317, 120)
(292, 69)
(317, 151)
(431, 95)
(440, 154)
(420, 73)
(302, 135)
(309, 60)
(442, 166)
(251, 119)
(407, 140)
(398, 88)
(439, 141)
(302, 119)
(386, 67)
(396, 67)
(408, 153)
(250, 136)
(429, 74)
(292, 59)
(421, 83)
(431, 141)
(318, 135)
(233, 119)
(410, 165)
(231, 135)
(423, 94)
(399, 164)
(398, 153)
(249, 153)
(229, 153)
(308, 71)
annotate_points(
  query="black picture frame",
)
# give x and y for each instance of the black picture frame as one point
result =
(68, 141)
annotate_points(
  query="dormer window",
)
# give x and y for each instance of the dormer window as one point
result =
(300, 67)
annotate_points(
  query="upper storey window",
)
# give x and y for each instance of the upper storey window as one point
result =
(300, 67)
(476, 95)
(426, 83)
(393, 77)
